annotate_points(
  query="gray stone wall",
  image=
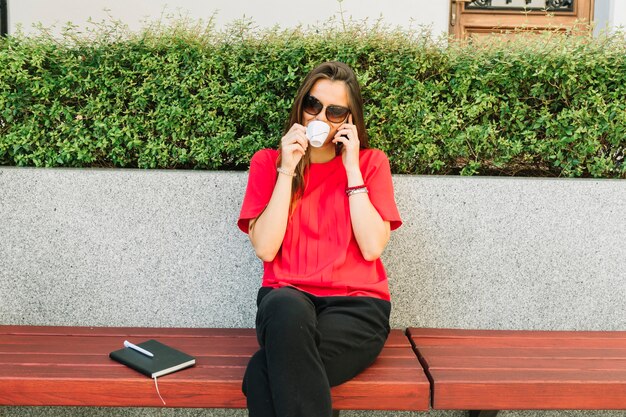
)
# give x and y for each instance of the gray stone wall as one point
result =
(105, 247)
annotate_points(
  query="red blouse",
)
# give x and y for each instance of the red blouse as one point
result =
(319, 253)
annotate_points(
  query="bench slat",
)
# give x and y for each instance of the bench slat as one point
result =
(526, 352)
(124, 331)
(530, 376)
(210, 346)
(129, 392)
(493, 369)
(502, 336)
(478, 353)
(206, 373)
(373, 396)
(456, 362)
(31, 360)
(397, 338)
(518, 395)
(72, 367)
(99, 344)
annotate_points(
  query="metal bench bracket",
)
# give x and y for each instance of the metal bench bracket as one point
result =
(483, 413)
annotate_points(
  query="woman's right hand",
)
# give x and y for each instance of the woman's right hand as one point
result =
(268, 230)
(293, 147)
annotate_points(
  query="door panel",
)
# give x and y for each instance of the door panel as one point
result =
(469, 18)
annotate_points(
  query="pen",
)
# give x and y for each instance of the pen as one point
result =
(138, 349)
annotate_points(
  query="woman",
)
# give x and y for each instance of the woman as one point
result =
(319, 218)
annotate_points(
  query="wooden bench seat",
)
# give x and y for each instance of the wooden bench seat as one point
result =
(498, 370)
(70, 366)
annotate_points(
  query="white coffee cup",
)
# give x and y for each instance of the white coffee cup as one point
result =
(317, 132)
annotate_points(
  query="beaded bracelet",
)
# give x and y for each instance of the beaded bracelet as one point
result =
(358, 190)
(355, 188)
(284, 171)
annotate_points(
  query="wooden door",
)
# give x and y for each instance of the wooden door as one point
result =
(471, 18)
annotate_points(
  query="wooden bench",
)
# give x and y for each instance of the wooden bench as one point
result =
(483, 370)
(70, 366)
(478, 370)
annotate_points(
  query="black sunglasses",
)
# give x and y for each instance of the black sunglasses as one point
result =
(334, 114)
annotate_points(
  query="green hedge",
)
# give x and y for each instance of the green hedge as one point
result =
(187, 97)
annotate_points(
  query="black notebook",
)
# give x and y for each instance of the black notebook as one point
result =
(165, 361)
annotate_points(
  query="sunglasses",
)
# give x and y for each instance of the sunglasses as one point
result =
(334, 114)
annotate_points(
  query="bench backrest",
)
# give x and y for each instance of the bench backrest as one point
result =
(161, 248)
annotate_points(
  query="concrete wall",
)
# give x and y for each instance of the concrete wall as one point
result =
(405, 13)
(603, 16)
(161, 248)
(608, 14)
(619, 14)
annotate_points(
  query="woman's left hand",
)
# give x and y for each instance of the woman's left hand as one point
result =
(348, 135)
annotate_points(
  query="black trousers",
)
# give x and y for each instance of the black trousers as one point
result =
(307, 345)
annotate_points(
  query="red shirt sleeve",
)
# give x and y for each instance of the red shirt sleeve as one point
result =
(377, 176)
(261, 182)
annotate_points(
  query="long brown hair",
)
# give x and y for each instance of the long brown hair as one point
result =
(333, 71)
